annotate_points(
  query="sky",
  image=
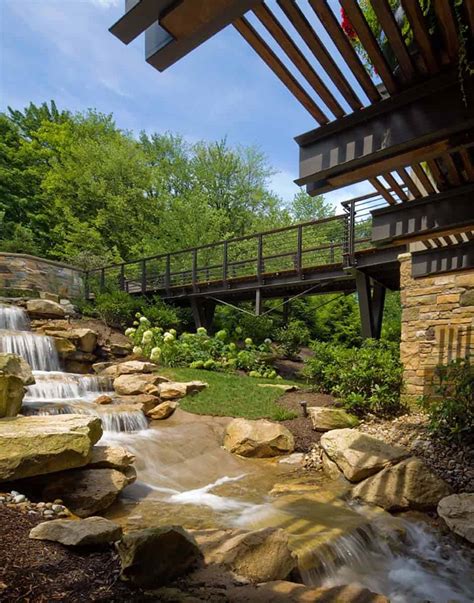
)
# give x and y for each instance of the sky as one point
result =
(62, 50)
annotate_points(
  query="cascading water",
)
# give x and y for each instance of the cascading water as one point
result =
(57, 392)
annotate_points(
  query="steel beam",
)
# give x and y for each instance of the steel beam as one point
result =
(203, 312)
(443, 259)
(437, 215)
(371, 297)
(139, 15)
(404, 128)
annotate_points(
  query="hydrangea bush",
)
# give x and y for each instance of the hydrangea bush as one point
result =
(200, 350)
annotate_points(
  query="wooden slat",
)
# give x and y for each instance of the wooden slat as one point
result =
(447, 27)
(421, 34)
(453, 175)
(469, 4)
(370, 44)
(394, 36)
(269, 21)
(379, 187)
(466, 160)
(407, 180)
(340, 40)
(270, 58)
(436, 173)
(307, 33)
(423, 178)
(395, 186)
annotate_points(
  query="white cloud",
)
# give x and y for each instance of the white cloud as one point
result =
(106, 3)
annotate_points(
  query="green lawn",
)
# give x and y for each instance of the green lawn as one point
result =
(231, 395)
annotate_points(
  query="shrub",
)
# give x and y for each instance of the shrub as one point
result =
(366, 379)
(292, 337)
(452, 414)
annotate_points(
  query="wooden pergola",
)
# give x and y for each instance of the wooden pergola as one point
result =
(402, 119)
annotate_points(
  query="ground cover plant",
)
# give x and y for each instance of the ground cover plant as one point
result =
(230, 395)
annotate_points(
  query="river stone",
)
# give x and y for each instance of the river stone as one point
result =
(130, 385)
(325, 419)
(290, 592)
(457, 511)
(258, 556)
(172, 391)
(359, 455)
(87, 492)
(113, 457)
(12, 364)
(407, 485)
(145, 402)
(103, 399)
(93, 531)
(37, 445)
(44, 308)
(156, 556)
(258, 438)
(162, 411)
(131, 367)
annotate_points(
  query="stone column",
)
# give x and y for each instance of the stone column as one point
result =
(437, 324)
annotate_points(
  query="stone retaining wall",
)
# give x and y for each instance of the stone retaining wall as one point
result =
(29, 274)
(437, 324)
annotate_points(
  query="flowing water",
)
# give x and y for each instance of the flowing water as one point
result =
(185, 477)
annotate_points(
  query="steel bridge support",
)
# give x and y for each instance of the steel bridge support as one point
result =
(371, 296)
(203, 312)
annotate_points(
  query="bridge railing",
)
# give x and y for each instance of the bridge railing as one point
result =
(288, 249)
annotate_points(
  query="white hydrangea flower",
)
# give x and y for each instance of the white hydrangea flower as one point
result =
(147, 337)
(144, 319)
(137, 350)
(130, 331)
(168, 337)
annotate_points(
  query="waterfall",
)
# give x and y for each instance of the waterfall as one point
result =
(38, 350)
(13, 318)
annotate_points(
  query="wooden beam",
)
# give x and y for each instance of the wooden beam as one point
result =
(436, 173)
(447, 27)
(408, 181)
(272, 25)
(313, 42)
(467, 163)
(342, 43)
(394, 37)
(423, 178)
(453, 176)
(270, 58)
(445, 259)
(395, 186)
(421, 34)
(138, 17)
(379, 187)
(368, 41)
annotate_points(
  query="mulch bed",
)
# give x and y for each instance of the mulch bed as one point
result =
(37, 571)
(301, 427)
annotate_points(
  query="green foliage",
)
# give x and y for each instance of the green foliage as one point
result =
(452, 411)
(199, 350)
(366, 379)
(293, 337)
(231, 395)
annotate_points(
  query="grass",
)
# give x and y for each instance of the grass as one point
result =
(231, 395)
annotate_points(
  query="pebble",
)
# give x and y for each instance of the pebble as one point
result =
(19, 498)
(48, 510)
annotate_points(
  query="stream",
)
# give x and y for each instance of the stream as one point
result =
(185, 477)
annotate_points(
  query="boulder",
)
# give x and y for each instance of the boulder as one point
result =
(193, 387)
(44, 308)
(145, 402)
(98, 367)
(112, 457)
(117, 348)
(37, 445)
(84, 339)
(290, 592)
(87, 492)
(407, 485)
(258, 556)
(162, 411)
(258, 438)
(359, 455)
(129, 385)
(281, 386)
(325, 418)
(93, 531)
(457, 510)
(131, 367)
(330, 469)
(49, 296)
(12, 391)
(81, 367)
(157, 556)
(64, 346)
(12, 364)
(172, 391)
(103, 399)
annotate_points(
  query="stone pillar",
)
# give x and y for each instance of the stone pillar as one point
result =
(437, 324)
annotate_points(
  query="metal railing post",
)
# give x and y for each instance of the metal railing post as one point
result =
(168, 274)
(122, 277)
(194, 273)
(143, 264)
(259, 257)
(225, 263)
(299, 250)
(86, 285)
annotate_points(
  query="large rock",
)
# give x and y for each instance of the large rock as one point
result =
(130, 385)
(44, 308)
(12, 364)
(258, 438)
(145, 402)
(162, 411)
(258, 556)
(359, 455)
(291, 592)
(93, 531)
(84, 339)
(157, 556)
(87, 492)
(131, 367)
(174, 390)
(457, 511)
(37, 445)
(407, 485)
(12, 391)
(64, 346)
(110, 457)
(325, 418)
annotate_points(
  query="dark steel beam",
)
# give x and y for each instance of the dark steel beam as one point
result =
(371, 297)
(387, 135)
(443, 259)
(139, 15)
(436, 215)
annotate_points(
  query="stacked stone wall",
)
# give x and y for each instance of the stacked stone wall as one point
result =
(31, 275)
(437, 325)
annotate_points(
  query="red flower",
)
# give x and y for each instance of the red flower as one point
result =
(347, 26)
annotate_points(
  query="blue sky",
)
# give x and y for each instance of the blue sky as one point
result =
(62, 50)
